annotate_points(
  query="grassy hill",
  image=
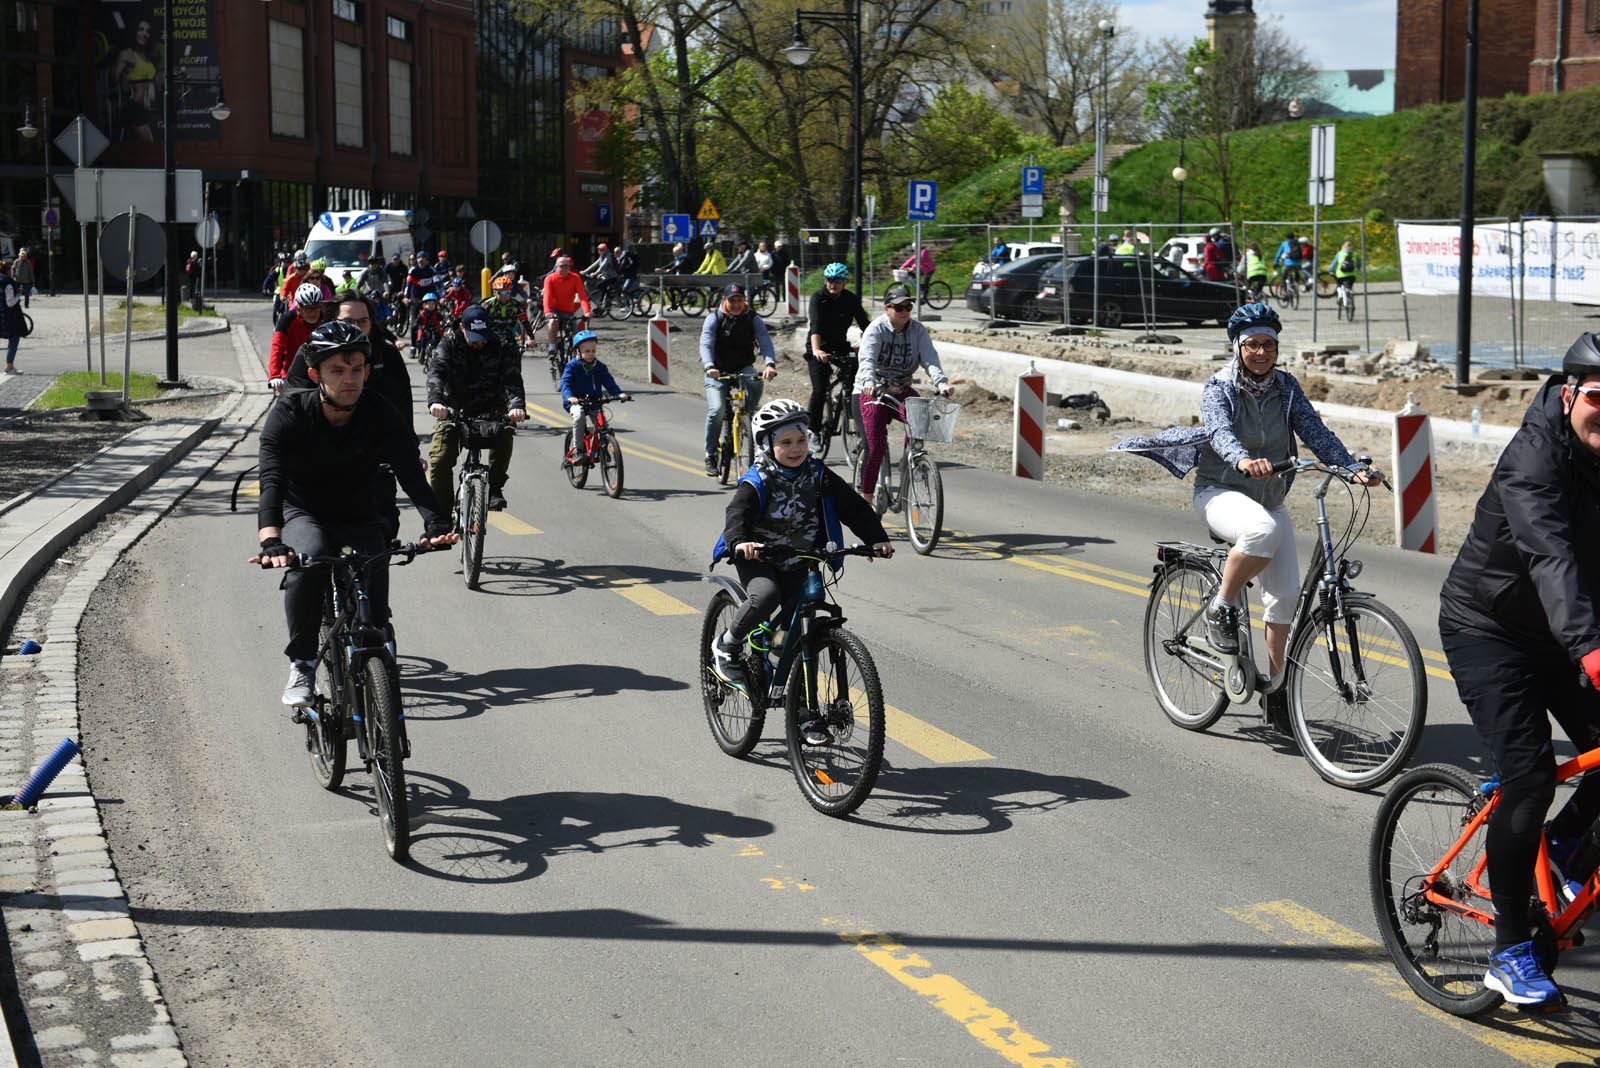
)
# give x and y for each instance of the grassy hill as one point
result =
(1401, 166)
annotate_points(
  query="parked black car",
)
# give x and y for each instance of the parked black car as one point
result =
(1016, 288)
(1129, 285)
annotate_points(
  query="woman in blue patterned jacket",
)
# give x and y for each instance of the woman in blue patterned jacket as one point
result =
(1251, 411)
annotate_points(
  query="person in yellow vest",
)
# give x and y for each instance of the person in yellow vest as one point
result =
(1128, 247)
(1255, 270)
(713, 263)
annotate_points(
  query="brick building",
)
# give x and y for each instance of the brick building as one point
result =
(333, 104)
(1519, 48)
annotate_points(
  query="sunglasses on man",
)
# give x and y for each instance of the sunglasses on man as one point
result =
(903, 306)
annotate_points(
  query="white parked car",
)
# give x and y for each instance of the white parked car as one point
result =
(1187, 251)
(1016, 250)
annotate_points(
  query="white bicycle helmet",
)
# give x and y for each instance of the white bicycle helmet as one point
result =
(774, 416)
(308, 294)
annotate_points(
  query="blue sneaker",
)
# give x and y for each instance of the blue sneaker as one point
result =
(1561, 851)
(1516, 975)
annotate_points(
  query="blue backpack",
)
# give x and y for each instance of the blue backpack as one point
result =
(831, 529)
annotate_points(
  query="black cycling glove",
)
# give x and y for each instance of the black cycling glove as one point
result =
(274, 546)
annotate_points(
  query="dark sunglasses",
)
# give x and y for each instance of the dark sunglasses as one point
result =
(903, 306)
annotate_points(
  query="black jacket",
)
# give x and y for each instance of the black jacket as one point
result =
(478, 382)
(1529, 571)
(744, 511)
(331, 471)
(831, 316)
(389, 380)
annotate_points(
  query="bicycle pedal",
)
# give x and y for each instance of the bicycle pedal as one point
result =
(299, 715)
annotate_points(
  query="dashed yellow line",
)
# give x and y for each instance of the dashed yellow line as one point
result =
(510, 524)
(1519, 1037)
(636, 590)
(993, 1028)
(629, 448)
(924, 738)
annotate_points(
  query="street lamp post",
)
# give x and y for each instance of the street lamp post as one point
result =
(169, 163)
(29, 132)
(1180, 175)
(847, 24)
(1108, 30)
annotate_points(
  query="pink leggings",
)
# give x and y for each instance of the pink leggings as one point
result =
(875, 420)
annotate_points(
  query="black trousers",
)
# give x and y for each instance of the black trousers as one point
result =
(766, 589)
(821, 377)
(303, 591)
(1511, 692)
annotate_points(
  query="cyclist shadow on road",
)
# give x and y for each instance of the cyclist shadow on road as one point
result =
(433, 691)
(540, 577)
(974, 799)
(464, 839)
(963, 544)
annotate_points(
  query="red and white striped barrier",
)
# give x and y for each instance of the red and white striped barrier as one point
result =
(658, 351)
(1416, 509)
(791, 290)
(1027, 426)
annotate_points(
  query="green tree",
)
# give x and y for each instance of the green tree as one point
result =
(959, 133)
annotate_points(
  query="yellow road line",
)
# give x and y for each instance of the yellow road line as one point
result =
(1519, 1037)
(924, 738)
(629, 448)
(636, 590)
(510, 524)
(994, 1029)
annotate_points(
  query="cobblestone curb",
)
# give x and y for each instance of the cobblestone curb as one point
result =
(90, 993)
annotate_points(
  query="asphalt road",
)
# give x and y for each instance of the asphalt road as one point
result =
(1049, 873)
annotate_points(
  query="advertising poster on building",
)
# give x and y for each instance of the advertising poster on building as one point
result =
(129, 84)
(1536, 259)
(591, 127)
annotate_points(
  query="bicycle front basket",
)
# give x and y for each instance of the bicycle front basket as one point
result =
(932, 418)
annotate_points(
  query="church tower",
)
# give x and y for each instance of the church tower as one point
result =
(1229, 25)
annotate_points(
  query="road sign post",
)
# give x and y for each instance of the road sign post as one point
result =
(1319, 190)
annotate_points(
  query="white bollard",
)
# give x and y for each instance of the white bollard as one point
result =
(791, 290)
(1416, 509)
(658, 351)
(1027, 426)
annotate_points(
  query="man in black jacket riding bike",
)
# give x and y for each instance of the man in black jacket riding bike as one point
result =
(480, 376)
(1518, 621)
(320, 455)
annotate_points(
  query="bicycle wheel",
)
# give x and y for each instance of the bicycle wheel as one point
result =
(835, 683)
(557, 364)
(937, 294)
(1357, 734)
(764, 301)
(387, 749)
(577, 468)
(474, 525)
(829, 425)
(621, 307)
(325, 739)
(1326, 286)
(1280, 291)
(1441, 953)
(647, 302)
(745, 443)
(735, 720)
(693, 303)
(924, 503)
(849, 428)
(1188, 689)
(611, 464)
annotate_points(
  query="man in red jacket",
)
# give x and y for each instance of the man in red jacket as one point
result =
(293, 330)
(563, 290)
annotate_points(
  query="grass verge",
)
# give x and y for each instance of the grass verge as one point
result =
(67, 390)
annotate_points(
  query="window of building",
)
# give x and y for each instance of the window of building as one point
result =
(348, 128)
(1594, 16)
(287, 77)
(399, 108)
(399, 29)
(348, 10)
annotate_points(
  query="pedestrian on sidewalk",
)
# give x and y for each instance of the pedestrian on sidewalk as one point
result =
(12, 327)
(22, 274)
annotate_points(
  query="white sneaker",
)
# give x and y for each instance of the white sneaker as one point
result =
(300, 690)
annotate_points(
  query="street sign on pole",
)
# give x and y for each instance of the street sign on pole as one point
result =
(150, 248)
(485, 236)
(1032, 181)
(872, 206)
(1102, 193)
(466, 211)
(94, 142)
(922, 200)
(708, 228)
(143, 187)
(1033, 211)
(1319, 190)
(52, 218)
(207, 232)
(602, 214)
(676, 228)
(708, 210)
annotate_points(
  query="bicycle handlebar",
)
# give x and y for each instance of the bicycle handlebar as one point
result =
(410, 550)
(1347, 474)
(778, 555)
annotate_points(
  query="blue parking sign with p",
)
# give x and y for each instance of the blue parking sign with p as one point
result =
(676, 228)
(1033, 181)
(923, 200)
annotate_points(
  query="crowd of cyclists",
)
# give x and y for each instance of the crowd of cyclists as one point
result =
(1520, 610)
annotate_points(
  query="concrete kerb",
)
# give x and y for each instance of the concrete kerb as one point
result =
(1158, 399)
(32, 533)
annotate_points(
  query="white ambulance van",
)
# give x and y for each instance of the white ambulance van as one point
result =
(349, 240)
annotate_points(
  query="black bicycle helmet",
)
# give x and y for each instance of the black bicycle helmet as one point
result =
(337, 336)
(1583, 358)
(1254, 313)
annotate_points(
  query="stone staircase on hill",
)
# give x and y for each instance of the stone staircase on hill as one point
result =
(1011, 214)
